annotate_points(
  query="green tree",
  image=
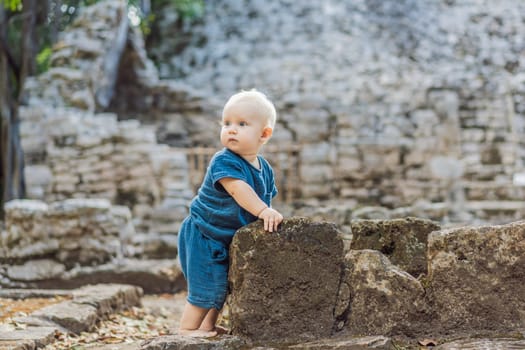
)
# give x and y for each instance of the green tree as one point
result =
(15, 66)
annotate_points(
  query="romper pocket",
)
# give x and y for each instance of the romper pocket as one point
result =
(219, 253)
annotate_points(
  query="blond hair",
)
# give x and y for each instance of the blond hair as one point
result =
(262, 103)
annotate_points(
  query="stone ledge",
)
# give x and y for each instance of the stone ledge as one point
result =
(17, 345)
(176, 342)
(31, 338)
(153, 276)
(89, 304)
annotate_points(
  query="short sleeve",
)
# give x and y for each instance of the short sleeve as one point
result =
(225, 165)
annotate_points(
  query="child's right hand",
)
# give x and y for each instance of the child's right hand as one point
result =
(272, 218)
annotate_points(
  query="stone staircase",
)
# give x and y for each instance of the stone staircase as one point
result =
(85, 307)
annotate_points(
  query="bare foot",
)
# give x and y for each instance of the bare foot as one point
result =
(221, 330)
(197, 333)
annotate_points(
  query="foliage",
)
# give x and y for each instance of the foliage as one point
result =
(42, 59)
(189, 9)
(12, 5)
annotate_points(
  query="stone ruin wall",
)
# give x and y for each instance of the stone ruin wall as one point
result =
(393, 102)
(390, 112)
(75, 150)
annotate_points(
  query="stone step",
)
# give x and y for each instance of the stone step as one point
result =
(495, 206)
(228, 342)
(496, 190)
(88, 305)
(496, 344)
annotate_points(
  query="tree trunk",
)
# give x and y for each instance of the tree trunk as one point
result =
(57, 18)
(11, 154)
(29, 47)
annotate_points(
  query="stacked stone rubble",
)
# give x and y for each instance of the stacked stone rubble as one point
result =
(96, 156)
(472, 286)
(70, 232)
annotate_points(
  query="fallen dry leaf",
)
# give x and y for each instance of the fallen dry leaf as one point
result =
(427, 342)
(127, 326)
(22, 307)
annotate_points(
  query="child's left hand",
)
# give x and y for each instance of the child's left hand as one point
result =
(272, 218)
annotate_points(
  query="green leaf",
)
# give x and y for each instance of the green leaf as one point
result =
(12, 5)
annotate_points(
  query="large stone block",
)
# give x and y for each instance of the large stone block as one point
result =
(476, 277)
(284, 284)
(403, 241)
(378, 298)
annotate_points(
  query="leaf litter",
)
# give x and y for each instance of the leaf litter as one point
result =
(128, 326)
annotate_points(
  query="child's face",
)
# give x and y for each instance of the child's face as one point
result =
(244, 129)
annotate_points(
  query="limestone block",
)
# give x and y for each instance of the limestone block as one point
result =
(32, 270)
(316, 153)
(349, 166)
(379, 159)
(224, 342)
(88, 250)
(79, 207)
(379, 298)
(370, 213)
(371, 342)
(24, 209)
(73, 316)
(284, 284)
(38, 175)
(108, 298)
(28, 338)
(65, 179)
(355, 193)
(28, 249)
(476, 277)
(60, 154)
(425, 121)
(316, 173)
(68, 74)
(82, 99)
(317, 190)
(143, 170)
(403, 241)
(102, 150)
(153, 245)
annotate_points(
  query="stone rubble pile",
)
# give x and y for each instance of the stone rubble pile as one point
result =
(75, 148)
(96, 156)
(472, 285)
(70, 232)
(82, 240)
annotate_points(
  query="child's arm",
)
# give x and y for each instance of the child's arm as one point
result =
(246, 197)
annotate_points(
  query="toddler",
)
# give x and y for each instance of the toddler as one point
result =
(237, 189)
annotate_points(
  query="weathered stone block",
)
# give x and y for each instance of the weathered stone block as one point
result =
(378, 298)
(108, 298)
(71, 315)
(403, 241)
(284, 284)
(38, 336)
(476, 277)
(372, 342)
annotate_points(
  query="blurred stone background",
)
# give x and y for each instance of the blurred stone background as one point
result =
(386, 109)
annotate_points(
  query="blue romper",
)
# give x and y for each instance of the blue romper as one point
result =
(205, 235)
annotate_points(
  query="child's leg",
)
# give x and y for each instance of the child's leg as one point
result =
(208, 324)
(191, 321)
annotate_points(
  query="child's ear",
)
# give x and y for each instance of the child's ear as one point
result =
(266, 134)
